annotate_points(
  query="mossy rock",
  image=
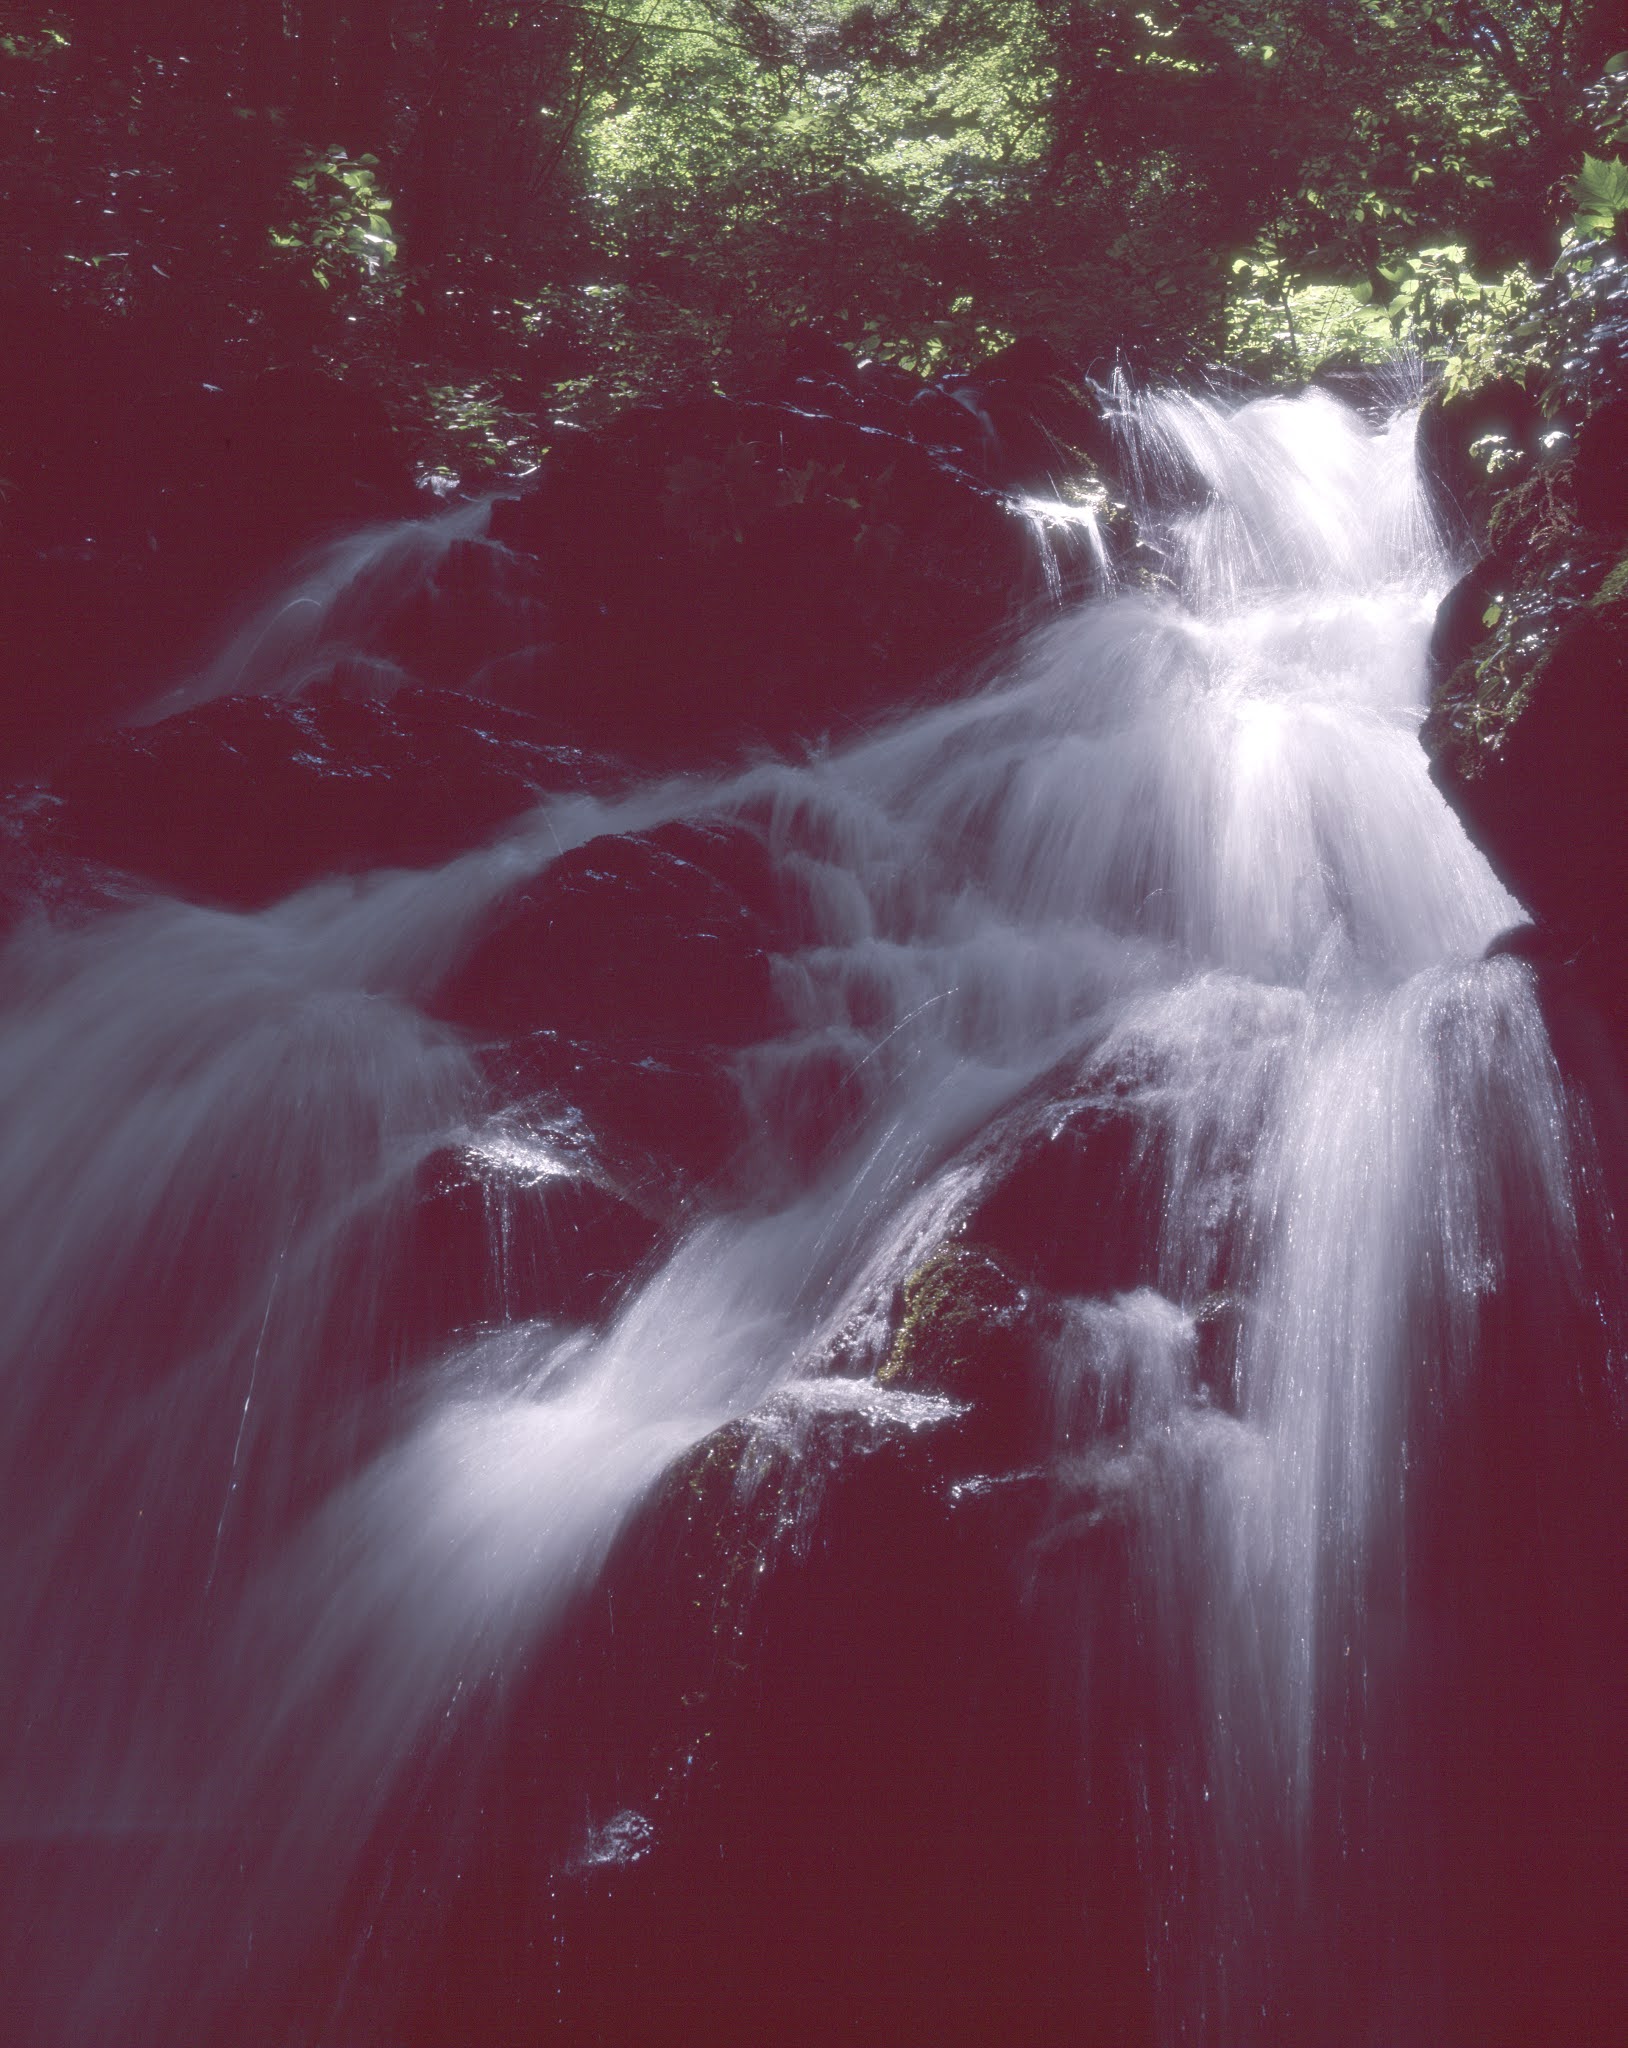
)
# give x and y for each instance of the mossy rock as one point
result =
(1613, 587)
(969, 1328)
(1508, 633)
(1536, 764)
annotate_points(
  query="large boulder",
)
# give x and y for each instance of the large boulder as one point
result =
(511, 1224)
(1528, 724)
(807, 1631)
(1042, 422)
(1538, 773)
(722, 572)
(243, 799)
(1025, 418)
(1077, 1205)
(656, 938)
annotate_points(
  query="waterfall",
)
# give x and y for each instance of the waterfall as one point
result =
(275, 1559)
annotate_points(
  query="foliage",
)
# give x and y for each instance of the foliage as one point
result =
(832, 174)
(556, 208)
(1274, 322)
(342, 233)
(1481, 327)
(1601, 193)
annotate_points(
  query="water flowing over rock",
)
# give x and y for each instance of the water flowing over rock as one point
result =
(151, 478)
(242, 799)
(688, 581)
(962, 1387)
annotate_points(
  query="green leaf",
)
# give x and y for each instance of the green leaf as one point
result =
(1602, 186)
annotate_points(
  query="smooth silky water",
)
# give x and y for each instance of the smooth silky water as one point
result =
(1185, 852)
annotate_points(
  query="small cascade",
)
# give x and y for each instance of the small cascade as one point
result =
(1067, 537)
(329, 623)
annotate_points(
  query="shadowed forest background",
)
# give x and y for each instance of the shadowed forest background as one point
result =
(499, 217)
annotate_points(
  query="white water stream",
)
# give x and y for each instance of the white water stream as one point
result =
(1186, 853)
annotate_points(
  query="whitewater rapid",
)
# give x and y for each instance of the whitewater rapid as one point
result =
(1183, 857)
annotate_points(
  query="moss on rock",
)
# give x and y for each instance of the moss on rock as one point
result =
(970, 1328)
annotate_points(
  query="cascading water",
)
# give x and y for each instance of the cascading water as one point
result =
(274, 1564)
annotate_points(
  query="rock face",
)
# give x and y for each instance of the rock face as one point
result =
(1022, 419)
(1078, 1208)
(511, 1226)
(722, 572)
(814, 1586)
(968, 1329)
(688, 581)
(647, 937)
(1528, 727)
(772, 569)
(244, 799)
(1545, 797)
(624, 979)
(148, 483)
(1465, 443)
(1528, 739)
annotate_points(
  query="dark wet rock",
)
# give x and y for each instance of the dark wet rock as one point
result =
(1571, 966)
(243, 799)
(654, 938)
(1600, 469)
(668, 1121)
(968, 1328)
(719, 572)
(1078, 1208)
(1470, 446)
(1042, 421)
(1518, 1534)
(1528, 727)
(1022, 419)
(838, 1635)
(809, 357)
(889, 380)
(479, 611)
(149, 490)
(514, 1224)
(1462, 620)
(940, 420)
(1537, 772)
